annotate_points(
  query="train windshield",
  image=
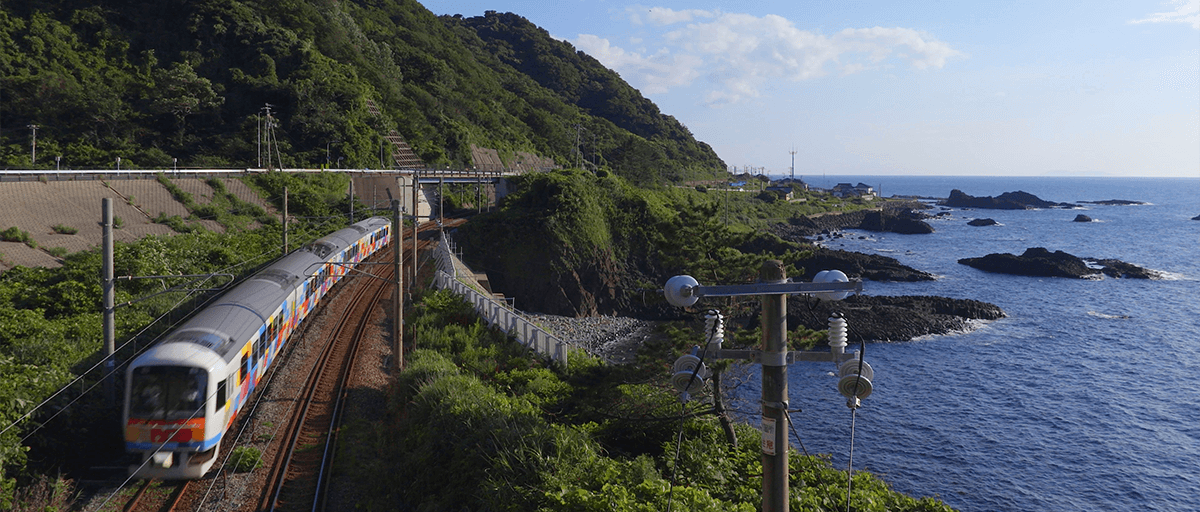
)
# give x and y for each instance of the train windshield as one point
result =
(167, 392)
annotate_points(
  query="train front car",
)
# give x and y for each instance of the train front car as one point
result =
(170, 419)
(182, 394)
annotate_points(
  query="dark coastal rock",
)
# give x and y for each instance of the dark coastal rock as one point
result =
(1115, 202)
(1082, 218)
(1007, 201)
(892, 318)
(1196, 217)
(858, 265)
(895, 221)
(1036, 261)
(982, 222)
(1120, 269)
(1039, 262)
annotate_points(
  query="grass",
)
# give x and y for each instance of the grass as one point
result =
(15, 234)
(64, 230)
(245, 459)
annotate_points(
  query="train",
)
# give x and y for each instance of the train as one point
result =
(183, 393)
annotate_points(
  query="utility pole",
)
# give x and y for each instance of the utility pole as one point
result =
(33, 145)
(774, 391)
(352, 200)
(285, 221)
(108, 289)
(398, 294)
(416, 222)
(684, 291)
(793, 153)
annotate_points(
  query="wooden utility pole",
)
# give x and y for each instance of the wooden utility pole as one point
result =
(773, 287)
(398, 294)
(774, 391)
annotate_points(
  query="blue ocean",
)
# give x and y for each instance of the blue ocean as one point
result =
(1086, 397)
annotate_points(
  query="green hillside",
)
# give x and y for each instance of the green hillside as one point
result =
(188, 80)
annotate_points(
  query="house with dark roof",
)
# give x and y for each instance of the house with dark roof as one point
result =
(847, 190)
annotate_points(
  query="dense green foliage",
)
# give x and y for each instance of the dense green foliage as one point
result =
(610, 234)
(189, 80)
(477, 423)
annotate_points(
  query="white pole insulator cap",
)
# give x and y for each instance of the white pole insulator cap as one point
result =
(831, 276)
(679, 291)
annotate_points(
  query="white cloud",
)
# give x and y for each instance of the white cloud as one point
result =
(1186, 11)
(739, 54)
(662, 16)
(655, 74)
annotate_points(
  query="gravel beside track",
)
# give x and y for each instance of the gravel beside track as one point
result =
(614, 338)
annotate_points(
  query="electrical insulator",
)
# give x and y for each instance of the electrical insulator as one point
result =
(837, 333)
(678, 291)
(714, 326)
(685, 367)
(831, 276)
(852, 384)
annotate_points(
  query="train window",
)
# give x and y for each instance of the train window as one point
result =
(243, 370)
(271, 330)
(222, 392)
(167, 392)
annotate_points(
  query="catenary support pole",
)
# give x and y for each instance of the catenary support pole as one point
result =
(285, 221)
(108, 289)
(416, 212)
(774, 392)
(352, 200)
(398, 294)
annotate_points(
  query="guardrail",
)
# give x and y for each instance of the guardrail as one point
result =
(495, 313)
(149, 174)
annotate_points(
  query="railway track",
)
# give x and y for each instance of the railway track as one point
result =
(155, 495)
(300, 470)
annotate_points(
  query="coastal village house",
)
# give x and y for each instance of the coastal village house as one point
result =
(847, 190)
(784, 191)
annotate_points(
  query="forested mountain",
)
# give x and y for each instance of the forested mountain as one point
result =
(153, 81)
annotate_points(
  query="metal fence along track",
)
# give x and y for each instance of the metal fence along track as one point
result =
(496, 313)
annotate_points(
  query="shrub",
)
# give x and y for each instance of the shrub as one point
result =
(15, 234)
(57, 252)
(64, 230)
(118, 223)
(245, 459)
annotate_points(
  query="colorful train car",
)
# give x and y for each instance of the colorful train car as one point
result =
(183, 393)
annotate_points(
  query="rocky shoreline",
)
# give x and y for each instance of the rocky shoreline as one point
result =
(1040, 262)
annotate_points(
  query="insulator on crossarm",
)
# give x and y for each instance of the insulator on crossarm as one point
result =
(837, 334)
(714, 328)
(689, 373)
(854, 380)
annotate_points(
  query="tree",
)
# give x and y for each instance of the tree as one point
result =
(179, 91)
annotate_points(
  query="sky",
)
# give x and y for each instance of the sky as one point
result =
(1005, 88)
